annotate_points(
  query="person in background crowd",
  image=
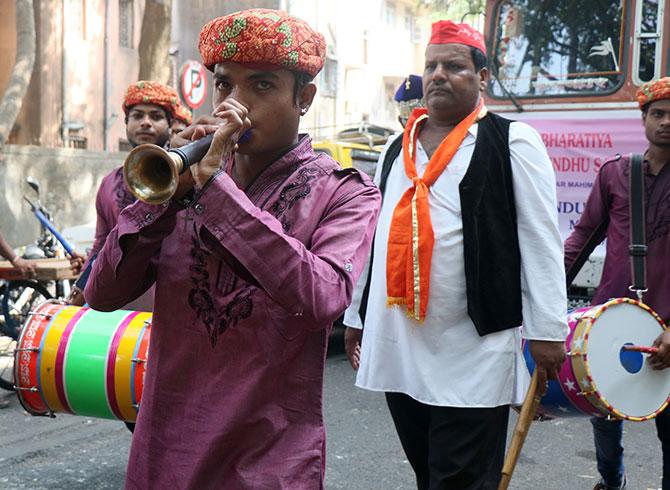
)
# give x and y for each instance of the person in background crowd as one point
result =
(149, 108)
(182, 119)
(25, 267)
(409, 96)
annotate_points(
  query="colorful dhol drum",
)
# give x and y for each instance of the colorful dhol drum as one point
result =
(598, 377)
(81, 361)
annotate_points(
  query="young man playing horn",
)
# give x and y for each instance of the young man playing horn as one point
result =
(609, 200)
(467, 240)
(249, 281)
(149, 108)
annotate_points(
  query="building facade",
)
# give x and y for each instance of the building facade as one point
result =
(87, 54)
(372, 46)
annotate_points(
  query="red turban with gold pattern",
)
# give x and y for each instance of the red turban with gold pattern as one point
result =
(652, 91)
(182, 114)
(148, 92)
(447, 32)
(263, 37)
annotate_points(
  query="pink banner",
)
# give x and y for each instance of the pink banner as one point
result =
(578, 148)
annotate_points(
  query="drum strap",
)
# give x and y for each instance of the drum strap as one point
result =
(638, 247)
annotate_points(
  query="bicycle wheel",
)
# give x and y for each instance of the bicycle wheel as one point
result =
(7, 347)
(18, 301)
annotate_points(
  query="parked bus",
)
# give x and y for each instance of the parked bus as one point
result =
(570, 69)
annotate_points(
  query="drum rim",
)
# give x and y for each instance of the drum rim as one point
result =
(31, 315)
(591, 319)
(111, 379)
(141, 347)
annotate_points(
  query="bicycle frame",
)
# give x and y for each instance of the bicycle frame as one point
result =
(46, 223)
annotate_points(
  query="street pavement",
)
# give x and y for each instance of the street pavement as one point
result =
(363, 452)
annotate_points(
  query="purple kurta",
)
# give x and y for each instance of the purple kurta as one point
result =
(609, 196)
(248, 284)
(112, 197)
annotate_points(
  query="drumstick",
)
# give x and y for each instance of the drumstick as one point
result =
(641, 348)
(528, 410)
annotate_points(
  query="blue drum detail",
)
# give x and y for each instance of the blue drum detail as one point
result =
(630, 360)
(554, 402)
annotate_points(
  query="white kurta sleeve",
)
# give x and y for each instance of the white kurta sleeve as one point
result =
(543, 290)
(352, 317)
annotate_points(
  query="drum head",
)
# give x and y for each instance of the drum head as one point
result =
(632, 388)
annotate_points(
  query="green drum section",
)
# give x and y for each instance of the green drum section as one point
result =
(86, 361)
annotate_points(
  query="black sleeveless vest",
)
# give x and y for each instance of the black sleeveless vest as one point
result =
(490, 240)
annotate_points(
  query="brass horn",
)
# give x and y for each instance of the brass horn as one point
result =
(152, 173)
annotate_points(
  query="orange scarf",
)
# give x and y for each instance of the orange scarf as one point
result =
(411, 238)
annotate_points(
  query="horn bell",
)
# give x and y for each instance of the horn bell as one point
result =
(152, 173)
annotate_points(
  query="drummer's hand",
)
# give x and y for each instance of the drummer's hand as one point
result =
(352, 346)
(76, 297)
(25, 267)
(548, 357)
(76, 262)
(233, 121)
(661, 359)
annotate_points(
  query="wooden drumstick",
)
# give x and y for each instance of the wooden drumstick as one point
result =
(528, 409)
(641, 348)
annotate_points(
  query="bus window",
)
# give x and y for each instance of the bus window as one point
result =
(567, 48)
(648, 42)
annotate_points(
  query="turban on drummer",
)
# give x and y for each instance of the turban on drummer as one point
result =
(265, 39)
(653, 91)
(149, 92)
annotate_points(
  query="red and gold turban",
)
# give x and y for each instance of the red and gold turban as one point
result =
(263, 37)
(148, 92)
(181, 113)
(652, 91)
(448, 32)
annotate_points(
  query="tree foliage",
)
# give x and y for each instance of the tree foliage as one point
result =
(561, 38)
(456, 10)
(562, 29)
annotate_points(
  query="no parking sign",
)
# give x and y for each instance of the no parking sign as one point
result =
(193, 84)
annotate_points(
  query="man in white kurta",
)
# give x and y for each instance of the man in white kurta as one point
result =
(443, 362)
(467, 370)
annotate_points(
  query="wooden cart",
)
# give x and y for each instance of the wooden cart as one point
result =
(45, 270)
